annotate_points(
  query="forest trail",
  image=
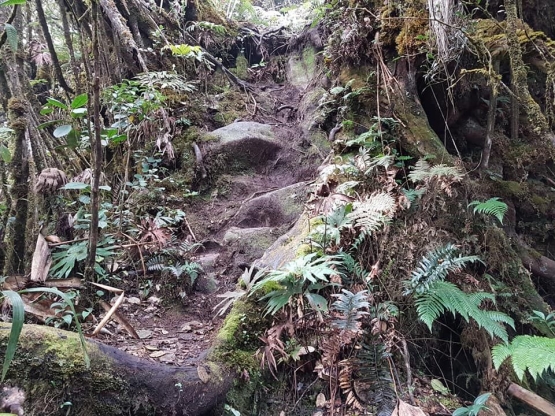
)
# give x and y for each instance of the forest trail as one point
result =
(251, 206)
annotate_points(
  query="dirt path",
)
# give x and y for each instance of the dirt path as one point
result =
(243, 203)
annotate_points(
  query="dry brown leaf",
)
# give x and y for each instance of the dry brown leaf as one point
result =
(40, 265)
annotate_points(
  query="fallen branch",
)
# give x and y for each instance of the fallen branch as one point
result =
(531, 399)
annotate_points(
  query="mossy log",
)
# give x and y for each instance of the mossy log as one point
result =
(49, 366)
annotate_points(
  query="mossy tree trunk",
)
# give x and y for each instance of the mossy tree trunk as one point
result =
(49, 367)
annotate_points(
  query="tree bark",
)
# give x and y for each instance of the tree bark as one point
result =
(129, 46)
(51, 49)
(49, 363)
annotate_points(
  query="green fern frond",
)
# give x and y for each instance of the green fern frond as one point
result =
(373, 213)
(446, 296)
(156, 263)
(422, 171)
(492, 206)
(435, 266)
(535, 354)
(349, 306)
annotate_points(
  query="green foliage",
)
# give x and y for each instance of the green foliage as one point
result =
(532, 353)
(18, 314)
(350, 305)
(11, 33)
(301, 277)
(17, 324)
(333, 225)
(444, 296)
(165, 80)
(542, 319)
(207, 26)
(68, 256)
(492, 206)
(473, 410)
(435, 266)
(12, 2)
(75, 114)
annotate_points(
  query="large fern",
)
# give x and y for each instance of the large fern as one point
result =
(535, 354)
(492, 206)
(444, 296)
(435, 266)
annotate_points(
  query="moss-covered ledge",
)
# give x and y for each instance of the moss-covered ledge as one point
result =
(49, 367)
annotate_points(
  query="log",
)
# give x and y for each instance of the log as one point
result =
(531, 399)
(49, 367)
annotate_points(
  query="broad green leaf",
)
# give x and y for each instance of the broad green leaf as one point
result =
(12, 2)
(5, 154)
(69, 302)
(47, 123)
(79, 101)
(55, 103)
(11, 33)
(105, 188)
(318, 303)
(78, 112)
(76, 186)
(18, 314)
(72, 139)
(62, 131)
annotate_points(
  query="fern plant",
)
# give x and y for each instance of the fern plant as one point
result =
(532, 353)
(435, 266)
(350, 307)
(434, 296)
(445, 296)
(300, 278)
(373, 213)
(492, 206)
(424, 172)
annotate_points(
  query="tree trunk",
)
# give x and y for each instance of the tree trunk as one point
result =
(130, 48)
(51, 49)
(49, 364)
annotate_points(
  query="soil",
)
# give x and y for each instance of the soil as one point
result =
(180, 332)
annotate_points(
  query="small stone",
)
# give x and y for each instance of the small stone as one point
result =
(151, 348)
(134, 300)
(153, 300)
(203, 374)
(151, 309)
(158, 354)
(186, 328)
(164, 332)
(168, 358)
(144, 333)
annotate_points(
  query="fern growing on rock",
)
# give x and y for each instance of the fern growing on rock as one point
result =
(492, 206)
(532, 353)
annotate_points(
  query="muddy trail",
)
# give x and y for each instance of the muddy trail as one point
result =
(258, 171)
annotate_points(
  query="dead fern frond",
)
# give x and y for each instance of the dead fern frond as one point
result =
(373, 213)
